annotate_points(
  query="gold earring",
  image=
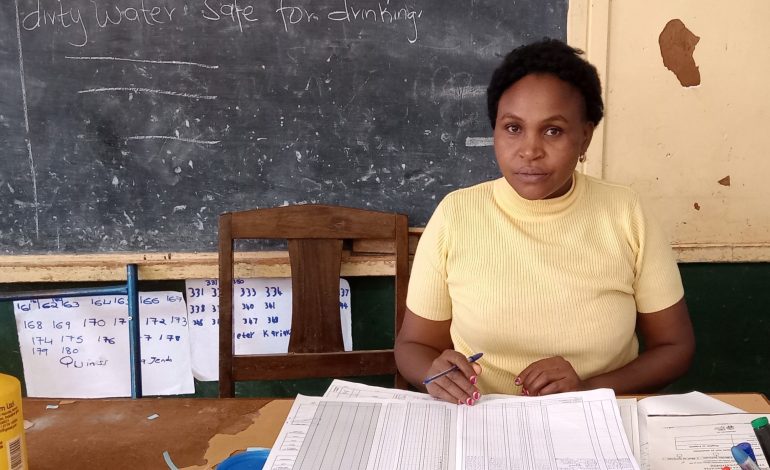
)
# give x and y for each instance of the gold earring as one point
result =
(582, 157)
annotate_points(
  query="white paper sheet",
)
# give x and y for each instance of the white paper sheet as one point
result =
(684, 404)
(679, 404)
(165, 344)
(344, 389)
(79, 347)
(575, 430)
(630, 416)
(371, 434)
(261, 319)
(699, 442)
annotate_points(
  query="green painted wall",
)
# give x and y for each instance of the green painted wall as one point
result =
(729, 305)
(730, 310)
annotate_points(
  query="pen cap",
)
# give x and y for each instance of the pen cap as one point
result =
(739, 455)
(746, 447)
(759, 422)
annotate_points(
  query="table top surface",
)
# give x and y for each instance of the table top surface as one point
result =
(197, 433)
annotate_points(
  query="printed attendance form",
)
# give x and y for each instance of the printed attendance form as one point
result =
(690, 431)
(354, 428)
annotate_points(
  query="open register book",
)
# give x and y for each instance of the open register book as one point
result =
(356, 426)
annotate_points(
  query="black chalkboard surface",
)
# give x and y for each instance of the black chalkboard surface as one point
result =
(131, 124)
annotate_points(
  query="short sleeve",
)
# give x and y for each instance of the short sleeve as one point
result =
(428, 293)
(657, 283)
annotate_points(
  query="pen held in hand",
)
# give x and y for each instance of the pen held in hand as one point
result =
(430, 379)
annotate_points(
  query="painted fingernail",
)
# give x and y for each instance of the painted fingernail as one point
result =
(526, 392)
(469, 401)
(517, 381)
(476, 395)
(459, 402)
(473, 379)
(472, 402)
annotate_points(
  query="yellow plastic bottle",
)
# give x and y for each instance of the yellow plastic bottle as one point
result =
(13, 449)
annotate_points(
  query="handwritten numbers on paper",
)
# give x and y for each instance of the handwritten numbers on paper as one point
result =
(261, 319)
(78, 347)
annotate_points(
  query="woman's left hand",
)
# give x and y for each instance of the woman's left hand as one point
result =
(547, 376)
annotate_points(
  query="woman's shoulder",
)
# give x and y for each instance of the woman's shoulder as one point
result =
(608, 191)
(462, 203)
(477, 192)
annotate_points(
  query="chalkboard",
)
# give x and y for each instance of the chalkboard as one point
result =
(131, 124)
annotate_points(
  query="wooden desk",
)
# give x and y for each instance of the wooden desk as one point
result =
(196, 432)
(116, 433)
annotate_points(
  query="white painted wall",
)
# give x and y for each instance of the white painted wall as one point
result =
(673, 143)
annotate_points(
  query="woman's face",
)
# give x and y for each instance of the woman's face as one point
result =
(540, 132)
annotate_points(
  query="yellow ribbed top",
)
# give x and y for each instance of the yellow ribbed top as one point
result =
(523, 280)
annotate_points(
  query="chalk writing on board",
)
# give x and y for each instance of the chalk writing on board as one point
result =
(261, 319)
(145, 13)
(163, 114)
(78, 347)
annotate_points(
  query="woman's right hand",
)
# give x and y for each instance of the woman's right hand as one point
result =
(423, 349)
(458, 386)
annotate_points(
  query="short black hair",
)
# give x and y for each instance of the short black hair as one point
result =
(548, 56)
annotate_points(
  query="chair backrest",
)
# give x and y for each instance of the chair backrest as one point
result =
(315, 235)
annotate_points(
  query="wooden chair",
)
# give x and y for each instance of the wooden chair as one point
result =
(315, 235)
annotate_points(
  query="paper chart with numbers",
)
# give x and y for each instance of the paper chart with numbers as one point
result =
(261, 319)
(79, 347)
(575, 430)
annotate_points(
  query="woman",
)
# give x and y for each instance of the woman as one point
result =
(548, 272)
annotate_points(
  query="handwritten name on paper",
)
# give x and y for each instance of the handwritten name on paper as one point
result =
(79, 347)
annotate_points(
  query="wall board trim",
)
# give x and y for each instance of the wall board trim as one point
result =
(365, 261)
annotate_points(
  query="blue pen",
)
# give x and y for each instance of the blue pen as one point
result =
(430, 379)
(746, 447)
(743, 459)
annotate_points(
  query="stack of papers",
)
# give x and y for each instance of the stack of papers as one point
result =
(355, 426)
(693, 432)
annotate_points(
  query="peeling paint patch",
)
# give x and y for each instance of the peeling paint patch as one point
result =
(677, 44)
(725, 181)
